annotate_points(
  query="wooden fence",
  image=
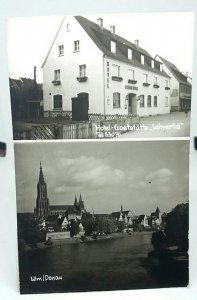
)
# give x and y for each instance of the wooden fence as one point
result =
(79, 130)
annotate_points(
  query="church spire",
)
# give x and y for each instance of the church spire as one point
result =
(42, 201)
(80, 199)
(75, 203)
(41, 176)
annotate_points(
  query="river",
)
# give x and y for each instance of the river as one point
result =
(113, 264)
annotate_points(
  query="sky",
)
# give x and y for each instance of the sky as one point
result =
(168, 34)
(139, 175)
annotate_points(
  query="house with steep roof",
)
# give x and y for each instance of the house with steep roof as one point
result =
(125, 216)
(26, 97)
(180, 86)
(93, 70)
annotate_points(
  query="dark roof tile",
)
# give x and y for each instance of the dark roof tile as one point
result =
(175, 71)
(103, 37)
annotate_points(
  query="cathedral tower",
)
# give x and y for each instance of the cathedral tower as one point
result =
(42, 202)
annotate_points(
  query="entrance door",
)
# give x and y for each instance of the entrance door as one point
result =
(80, 107)
(132, 104)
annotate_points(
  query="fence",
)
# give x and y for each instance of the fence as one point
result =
(110, 125)
(83, 130)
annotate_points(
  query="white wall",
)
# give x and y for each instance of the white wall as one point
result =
(69, 63)
(174, 87)
(115, 86)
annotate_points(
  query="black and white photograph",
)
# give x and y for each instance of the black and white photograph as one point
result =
(101, 76)
(102, 216)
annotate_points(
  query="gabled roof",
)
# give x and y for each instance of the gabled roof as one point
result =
(71, 209)
(60, 207)
(103, 37)
(141, 217)
(175, 71)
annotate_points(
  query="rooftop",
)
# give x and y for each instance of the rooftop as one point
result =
(175, 71)
(103, 37)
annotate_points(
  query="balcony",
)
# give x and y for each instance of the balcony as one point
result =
(82, 79)
(156, 86)
(56, 82)
(146, 84)
(117, 78)
(167, 88)
(132, 81)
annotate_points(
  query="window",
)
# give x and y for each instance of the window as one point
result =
(113, 47)
(131, 75)
(152, 64)
(149, 101)
(116, 70)
(82, 70)
(154, 80)
(61, 50)
(76, 46)
(167, 83)
(142, 59)
(56, 75)
(67, 27)
(57, 101)
(166, 102)
(161, 67)
(155, 101)
(116, 100)
(142, 101)
(145, 78)
(129, 53)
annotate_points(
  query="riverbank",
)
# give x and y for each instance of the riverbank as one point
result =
(78, 240)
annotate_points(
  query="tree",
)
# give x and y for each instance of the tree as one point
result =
(28, 229)
(177, 226)
(73, 228)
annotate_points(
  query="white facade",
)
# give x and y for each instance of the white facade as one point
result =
(68, 64)
(180, 87)
(174, 87)
(74, 55)
(136, 90)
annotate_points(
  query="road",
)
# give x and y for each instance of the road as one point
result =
(175, 124)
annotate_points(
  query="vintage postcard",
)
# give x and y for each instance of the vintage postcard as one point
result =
(101, 216)
(97, 77)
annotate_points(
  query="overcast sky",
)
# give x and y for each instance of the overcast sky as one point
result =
(139, 175)
(167, 34)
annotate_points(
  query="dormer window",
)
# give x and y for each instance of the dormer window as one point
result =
(61, 50)
(76, 46)
(67, 27)
(161, 67)
(152, 64)
(113, 47)
(129, 53)
(142, 59)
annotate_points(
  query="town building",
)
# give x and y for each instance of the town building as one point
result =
(26, 98)
(180, 86)
(155, 218)
(125, 216)
(55, 213)
(91, 70)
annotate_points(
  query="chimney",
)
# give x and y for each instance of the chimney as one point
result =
(100, 23)
(137, 43)
(186, 74)
(34, 74)
(112, 29)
